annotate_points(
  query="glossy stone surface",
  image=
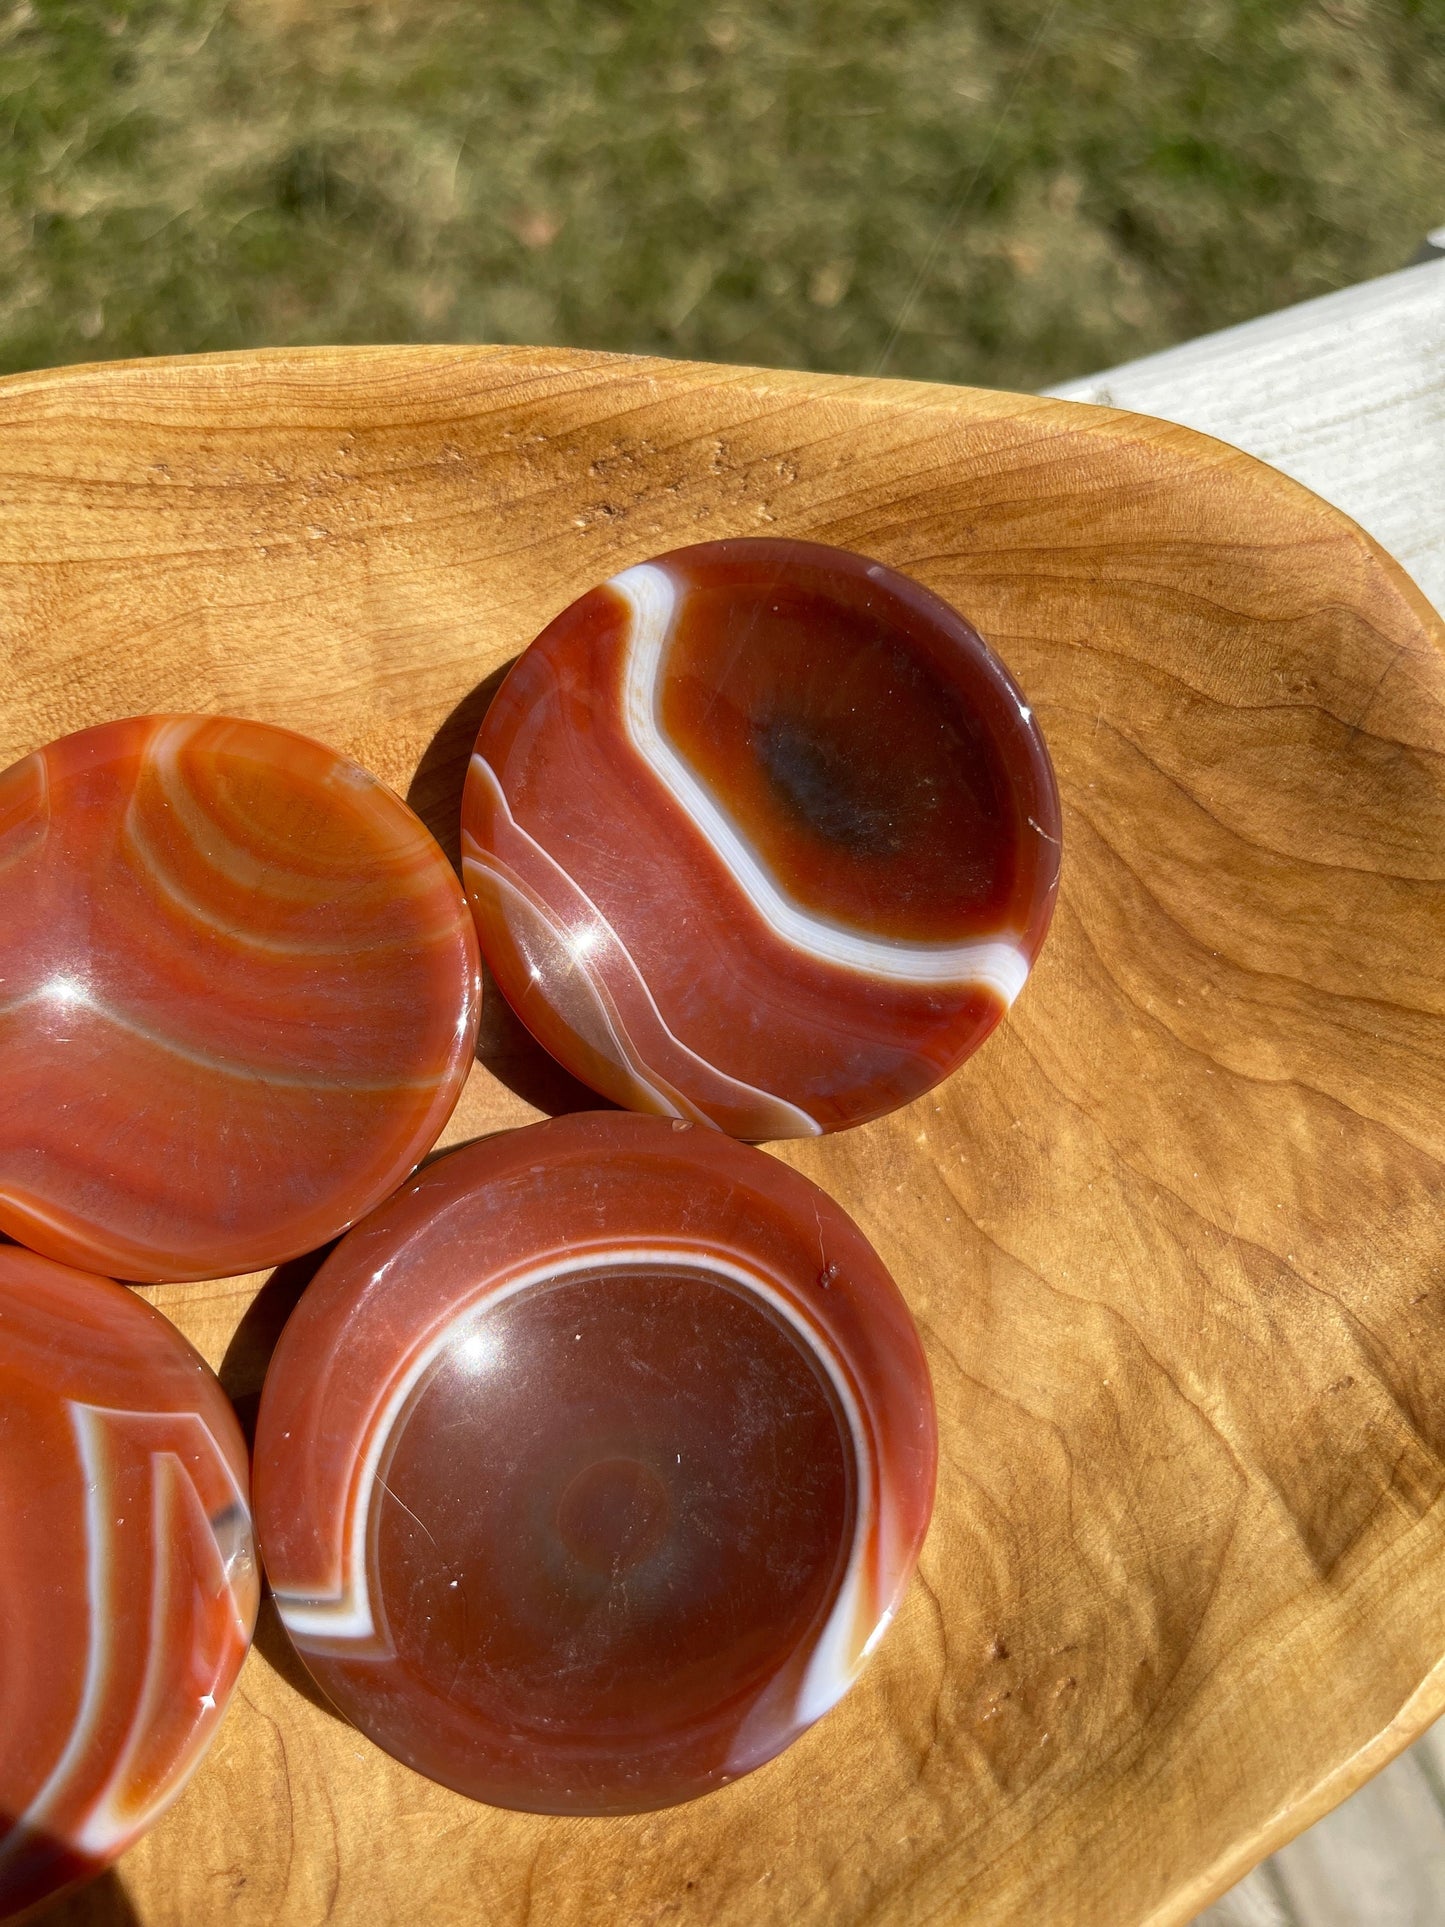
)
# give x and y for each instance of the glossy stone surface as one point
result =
(590, 1467)
(128, 1582)
(238, 996)
(761, 835)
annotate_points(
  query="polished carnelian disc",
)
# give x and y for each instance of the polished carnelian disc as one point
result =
(238, 996)
(761, 835)
(128, 1581)
(590, 1468)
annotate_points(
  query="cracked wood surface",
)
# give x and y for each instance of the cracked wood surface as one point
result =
(1173, 1236)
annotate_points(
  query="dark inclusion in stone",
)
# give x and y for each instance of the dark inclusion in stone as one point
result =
(829, 793)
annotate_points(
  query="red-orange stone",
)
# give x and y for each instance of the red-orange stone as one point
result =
(590, 1467)
(128, 1581)
(238, 996)
(761, 834)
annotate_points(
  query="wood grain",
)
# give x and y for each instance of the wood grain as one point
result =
(1173, 1237)
(1344, 393)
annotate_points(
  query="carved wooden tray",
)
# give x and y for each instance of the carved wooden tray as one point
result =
(1174, 1237)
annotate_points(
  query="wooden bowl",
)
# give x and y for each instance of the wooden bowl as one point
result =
(1174, 1237)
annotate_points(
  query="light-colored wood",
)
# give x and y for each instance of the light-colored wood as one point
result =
(1346, 393)
(1173, 1237)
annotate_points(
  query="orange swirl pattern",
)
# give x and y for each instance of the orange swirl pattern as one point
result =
(590, 1468)
(238, 996)
(761, 835)
(128, 1582)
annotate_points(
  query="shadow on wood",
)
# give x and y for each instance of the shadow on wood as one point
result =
(243, 1369)
(100, 1902)
(435, 791)
(504, 1044)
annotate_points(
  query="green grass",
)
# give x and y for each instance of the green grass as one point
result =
(999, 191)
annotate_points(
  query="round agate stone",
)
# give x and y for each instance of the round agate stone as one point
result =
(590, 1468)
(128, 1582)
(238, 996)
(761, 835)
